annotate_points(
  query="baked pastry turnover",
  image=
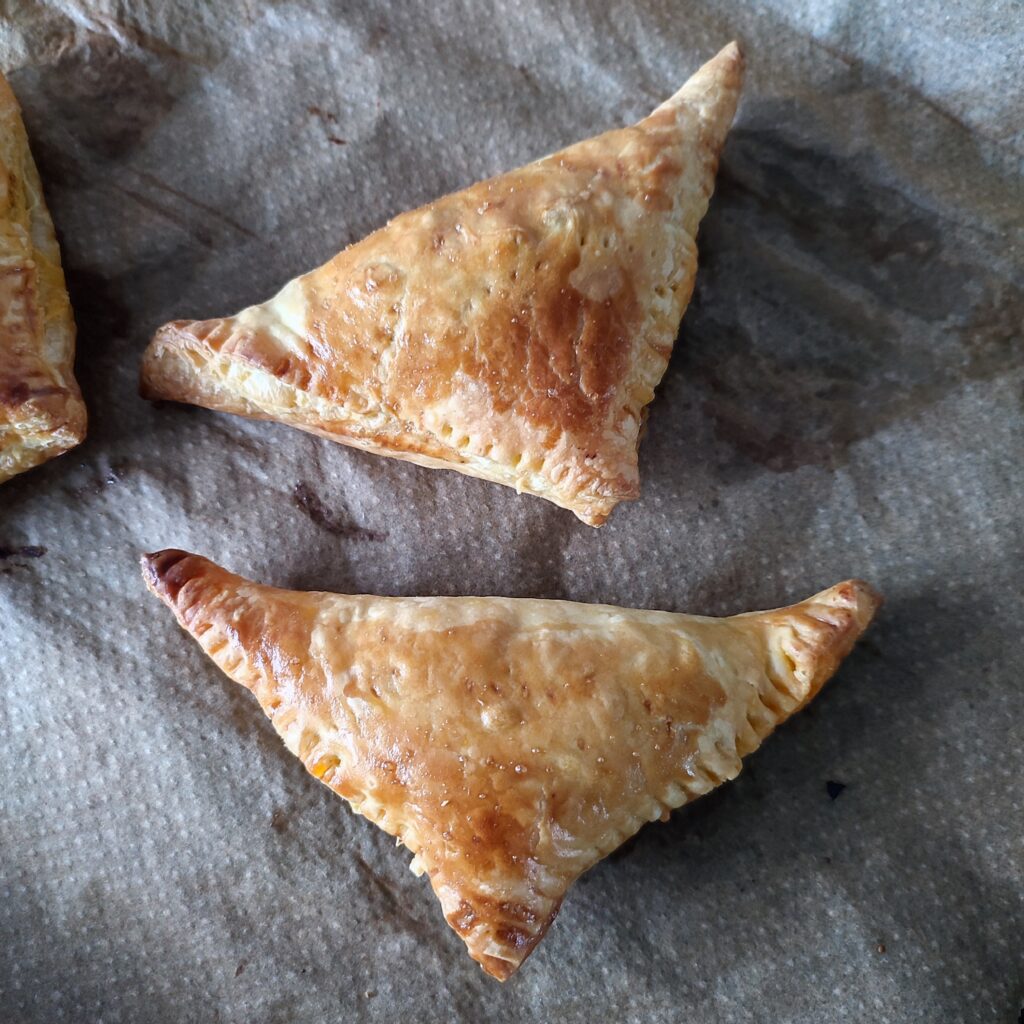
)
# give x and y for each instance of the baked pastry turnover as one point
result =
(514, 331)
(41, 410)
(510, 744)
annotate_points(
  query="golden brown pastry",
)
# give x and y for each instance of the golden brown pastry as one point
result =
(41, 410)
(514, 331)
(510, 744)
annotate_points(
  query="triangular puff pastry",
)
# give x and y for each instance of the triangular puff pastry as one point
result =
(41, 410)
(513, 331)
(510, 744)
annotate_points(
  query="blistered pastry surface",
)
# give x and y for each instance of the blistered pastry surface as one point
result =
(510, 744)
(514, 330)
(41, 410)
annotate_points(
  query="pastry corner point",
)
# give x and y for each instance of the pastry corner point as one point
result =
(816, 635)
(495, 967)
(858, 598)
(713, 90)
(734, 53)
(727, 66)
(152, 385)
(166, 572)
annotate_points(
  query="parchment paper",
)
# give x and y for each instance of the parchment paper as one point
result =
(845, 399)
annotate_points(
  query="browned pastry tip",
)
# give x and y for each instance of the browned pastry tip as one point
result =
(190, 585)
(165, 573)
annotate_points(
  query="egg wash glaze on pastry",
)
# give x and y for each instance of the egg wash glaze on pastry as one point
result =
(513, 331)
(510, 744)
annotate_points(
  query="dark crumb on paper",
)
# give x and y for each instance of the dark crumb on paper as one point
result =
(525, 72)
(324, 115)
(834, 789)
(24, 551)
(242, 964)
(309, 501)
(328, 120)
(279, 821)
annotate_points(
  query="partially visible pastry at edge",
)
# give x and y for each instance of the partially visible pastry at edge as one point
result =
(513, 331)
(41, 409)
(509, 744)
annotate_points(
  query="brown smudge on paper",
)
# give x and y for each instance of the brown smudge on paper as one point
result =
(310, 502)
(378, 34)
(396, 907)
(327, 119)
(22, 551)
(324, 115)
(118, 94)
(9, 555)
(854, 314)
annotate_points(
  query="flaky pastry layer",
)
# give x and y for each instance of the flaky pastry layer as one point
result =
(41, 409)
(513, 331)
(510, 744)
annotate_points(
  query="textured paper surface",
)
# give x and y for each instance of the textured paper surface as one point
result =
(845, 400)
